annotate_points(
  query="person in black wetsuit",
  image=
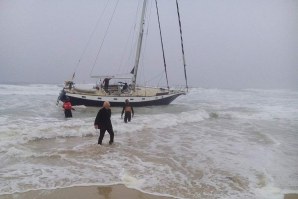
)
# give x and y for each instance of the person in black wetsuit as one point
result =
(103, 122)
(128, 109)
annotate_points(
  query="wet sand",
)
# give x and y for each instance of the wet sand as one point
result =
(94, 192)
(81, 192)
(291, 196)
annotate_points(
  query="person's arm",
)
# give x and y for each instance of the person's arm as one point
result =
(132, 111)
(96, 121)
(122, 111)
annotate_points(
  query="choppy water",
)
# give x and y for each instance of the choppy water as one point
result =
(209, 144)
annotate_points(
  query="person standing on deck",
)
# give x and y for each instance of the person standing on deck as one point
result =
(106, 84)
(103, 122)
(128, 109)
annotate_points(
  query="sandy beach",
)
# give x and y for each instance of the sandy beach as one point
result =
(291, 196)
(95, 192)
(81, 192)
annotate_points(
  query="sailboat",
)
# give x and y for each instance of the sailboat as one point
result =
(116, 94)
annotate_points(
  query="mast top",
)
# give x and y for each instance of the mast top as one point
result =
(139, 45)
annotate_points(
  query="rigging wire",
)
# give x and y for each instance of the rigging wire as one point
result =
(133, 26)
(144, 48)
(182, 48)
(161, 41)
(161, 74)
(161, 77)
(106, 32)
(91, 35)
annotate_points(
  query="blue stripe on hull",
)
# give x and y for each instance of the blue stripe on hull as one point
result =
(164, 101)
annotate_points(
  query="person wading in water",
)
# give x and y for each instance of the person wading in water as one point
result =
(128, 109)
(103, 122)
(67, 108)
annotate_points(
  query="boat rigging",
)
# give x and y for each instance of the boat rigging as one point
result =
(116, 94)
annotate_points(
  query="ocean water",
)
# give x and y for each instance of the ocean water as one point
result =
(208, 144)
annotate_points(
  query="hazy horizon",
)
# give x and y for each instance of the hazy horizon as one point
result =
(228, 44)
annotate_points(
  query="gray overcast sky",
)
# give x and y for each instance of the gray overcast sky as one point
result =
(228, 43)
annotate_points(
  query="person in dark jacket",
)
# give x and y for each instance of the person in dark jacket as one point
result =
(106, 84)
(103, 122)
(128, 109)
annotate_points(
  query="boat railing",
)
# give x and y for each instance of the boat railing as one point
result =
(120, 89)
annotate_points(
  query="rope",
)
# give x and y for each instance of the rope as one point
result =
(144, 46)
(182, 48)
(161, 41)
(88, 42)
(132, 44)
(106, 32)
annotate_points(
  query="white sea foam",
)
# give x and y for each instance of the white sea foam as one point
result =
(210, 143)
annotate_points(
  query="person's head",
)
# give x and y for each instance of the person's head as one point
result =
(126, 101)
(106, 104)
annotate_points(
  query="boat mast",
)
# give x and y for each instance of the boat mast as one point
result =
(182, 48)
(139, 46)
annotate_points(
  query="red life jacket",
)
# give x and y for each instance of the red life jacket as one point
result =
(67, 106)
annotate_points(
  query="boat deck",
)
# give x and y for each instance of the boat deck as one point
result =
(115, 91)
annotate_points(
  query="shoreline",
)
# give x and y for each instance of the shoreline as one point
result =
(96, 192)
(82, 192)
